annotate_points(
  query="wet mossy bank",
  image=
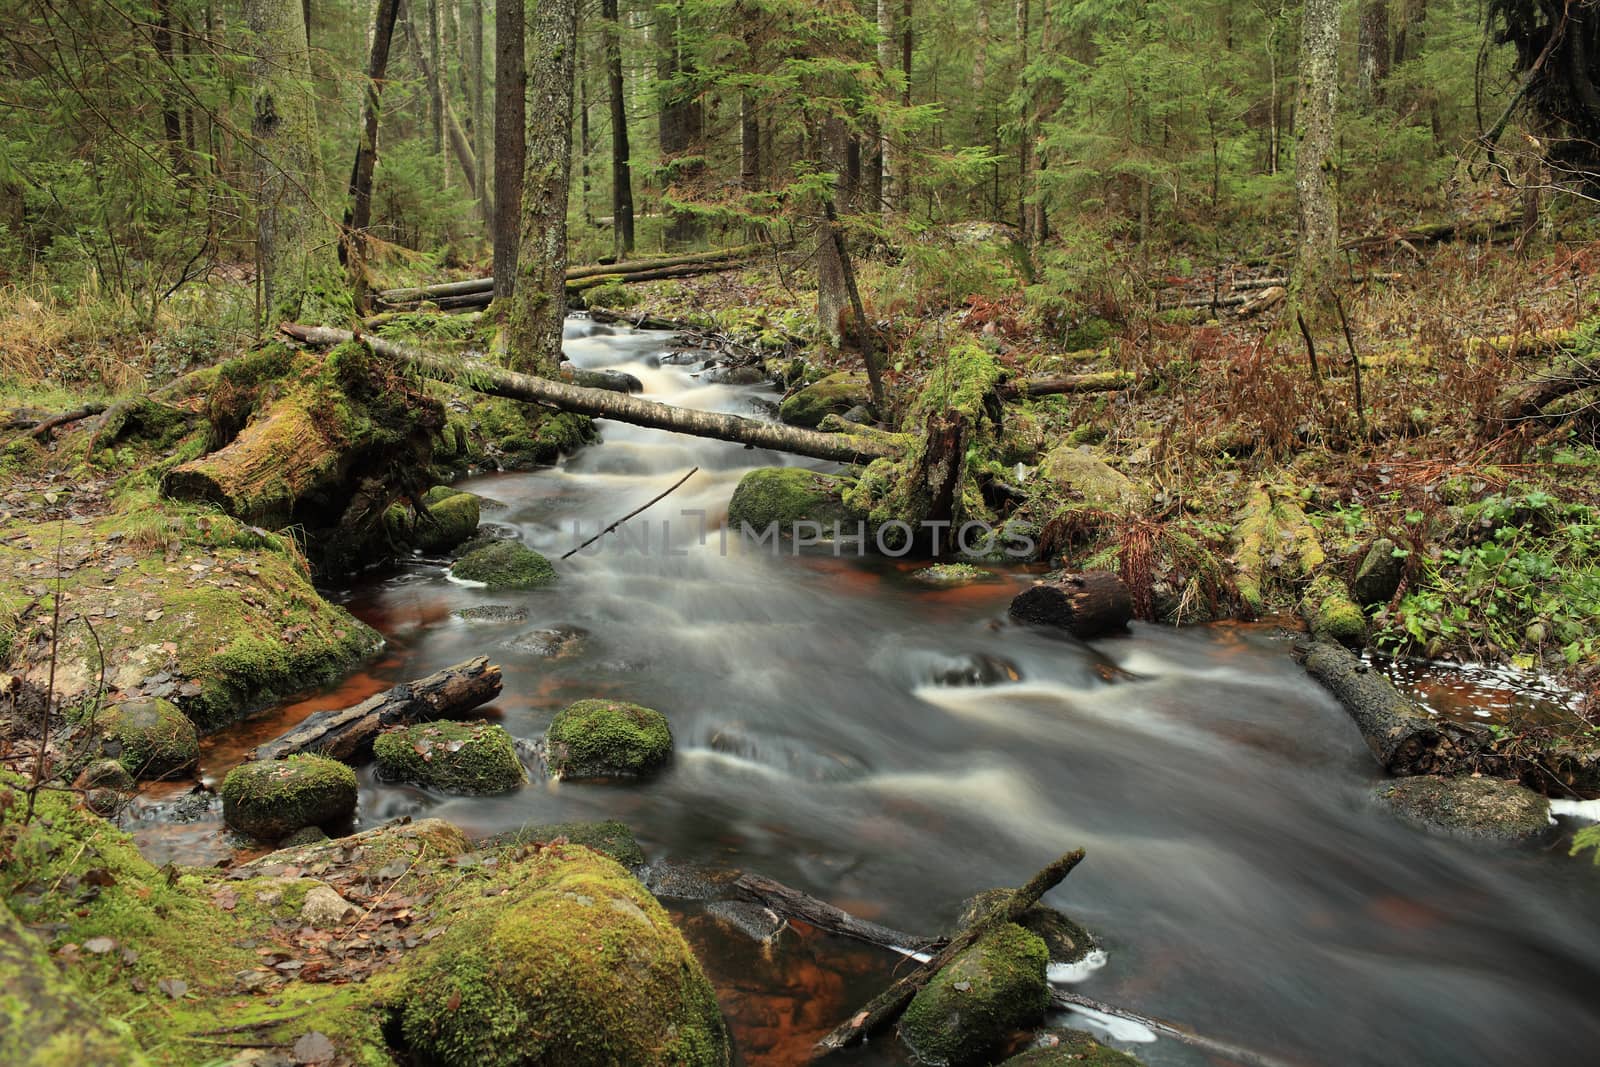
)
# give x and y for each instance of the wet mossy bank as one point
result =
(458, 949)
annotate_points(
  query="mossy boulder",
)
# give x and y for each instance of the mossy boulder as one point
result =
(1490, 809)
(1065, 940)
(971, 1006)
(610, 837)
(786, 496)
(451, 519)
(1083, 478)
(565, 959)
(1070, 1048)
(951, 574)
(1330, 612)
(1379, 574)
(271, 799)
(452, 757)
(505, 565)
(154, 739)
(608, 739)
(833, 395)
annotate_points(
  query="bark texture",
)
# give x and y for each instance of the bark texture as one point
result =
(621, 165)
(1085, 605)
(510, 141)
(1315, 168)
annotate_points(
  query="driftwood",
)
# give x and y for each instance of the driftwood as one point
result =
(793, 904)
(840, 447)
(1086, 605)
(1066, 1001)
(347, 734)
(886, 1007)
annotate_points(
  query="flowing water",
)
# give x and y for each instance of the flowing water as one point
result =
(894, 748)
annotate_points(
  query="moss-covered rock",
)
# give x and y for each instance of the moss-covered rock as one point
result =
(1274, 544)
(1379, 574)
(1065, 940)
(948, 574)
(271, 799)
(1084, 478)
(611, 294)
(608, 739)
(451, 519)
(610, 837)
(971, 1006)
(788, 495)
(835, 395)
(1330, 612)
(1070, 1048)
(572, 963)
(452, 757)
(505, 565)
(154, 739)
(1491, 809)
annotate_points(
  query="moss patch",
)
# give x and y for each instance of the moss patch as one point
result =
(563, 958)
(451, 518)
(833, 395)
(610, 837)
(1330, 612)
(967, 1010)
(608, 738)
(156, 740)
(505, 565)
(271, 799)
(452, 757)
(787, 495)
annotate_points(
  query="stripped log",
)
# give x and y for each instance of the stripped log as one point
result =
(1086, 605)
(347, 734)
(495, 381)
(886, 1007)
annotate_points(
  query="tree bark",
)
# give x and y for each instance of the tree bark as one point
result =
(1086, 605)
(433, 75)
(887, 165)
(346, 735)
(358, 215)
(296, 245)
(483, 378)
(833, 300)
(479, 118)
(1372, 52)
(1314, 157)
(681, 119)
(621, 164)
(749, 145)
(510, 140)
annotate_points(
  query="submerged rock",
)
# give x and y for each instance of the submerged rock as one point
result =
(564, 958)
(608, 739)
(452, 757)
(505, 565)
(271, 799)
(555, 642)
(1491, 809)
(786, 496)
(833, 395)
(155, 740)
(977, 668)
(492, 613)
(1070, 1048)
(971, 1006)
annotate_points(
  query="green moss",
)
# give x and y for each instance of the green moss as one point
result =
(1274, 544)
(787, 495)
(562, 958)
(612, 294)
(1330, 612)
(608, 738)
(505, 565)
(995, 987)
(450, 521)
(610, 837)
(1064, 940)
(157, 740)
(1084, 479)
(1071, 1048)
(270, 799)
(835, 394)
(951, 574)
(452, 757)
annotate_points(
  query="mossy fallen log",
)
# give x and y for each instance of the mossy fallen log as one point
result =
(347, 734)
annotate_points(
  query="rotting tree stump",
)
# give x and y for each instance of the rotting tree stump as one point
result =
(1086, 605)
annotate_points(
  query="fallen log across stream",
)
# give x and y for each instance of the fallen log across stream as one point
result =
(347, 734)
(496, 381)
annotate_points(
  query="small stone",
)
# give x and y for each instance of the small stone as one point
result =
(324, 908)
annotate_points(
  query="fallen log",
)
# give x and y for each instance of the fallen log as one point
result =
(886, 1007)
(793, 904)
(495, 381)
(1468, 230)
(347, 734)
(1085, 605)
(1092, 382)
(1066, 1001)
(1404, 739)
(416, 294)
(40, 429)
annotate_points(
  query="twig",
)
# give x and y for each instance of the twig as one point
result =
(43, 427)
(260, 1024)
(1060, 998)
(692, 472)
(1311, 352)
(1355, 364)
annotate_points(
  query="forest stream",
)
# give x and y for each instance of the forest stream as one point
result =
(894, 747)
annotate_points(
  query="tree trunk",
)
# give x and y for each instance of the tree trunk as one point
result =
(1372, 52)
(479, 117)
(510, 140)
(358, 215)
(171, 121)
(833, 300)
(1314, 156)
(599, 403)
(297, 247)
(346, 735)
(585, 142)
(886, 63)
(539, 305)
(433, 75)
(681, 118)
(621, 166)
(749, 145)
(1086, 605)
(1025, 134)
